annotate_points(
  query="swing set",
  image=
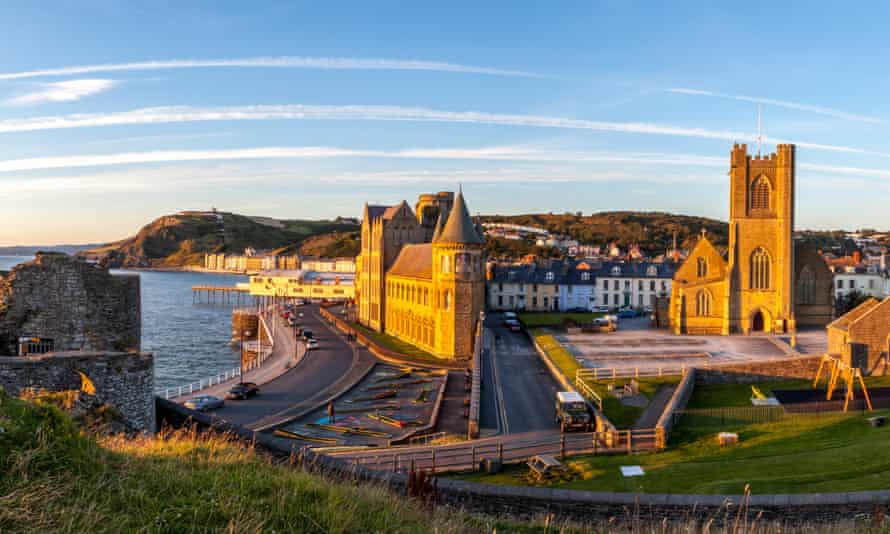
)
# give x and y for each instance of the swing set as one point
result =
(837, 370)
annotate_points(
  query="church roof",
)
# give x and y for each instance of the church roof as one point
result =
(414, 261)
(459, 228)
(374, 211)
(393, 210)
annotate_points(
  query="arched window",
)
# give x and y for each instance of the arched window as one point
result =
(760, 192)
(702, 268)
(446, 264)
(760, 269)
(806, 286)
(703, 303)
(447, 299)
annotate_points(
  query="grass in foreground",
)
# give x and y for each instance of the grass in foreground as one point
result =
(809, 453)
(543, 319)
(395, 344)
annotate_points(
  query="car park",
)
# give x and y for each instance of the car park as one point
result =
(243, 391)
(203, 403)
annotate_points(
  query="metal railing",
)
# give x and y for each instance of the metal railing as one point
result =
(263, 354)
(587, 391)
(469, 457)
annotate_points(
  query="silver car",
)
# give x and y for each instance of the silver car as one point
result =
(202, 403)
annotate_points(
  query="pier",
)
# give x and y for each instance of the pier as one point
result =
(222, 295)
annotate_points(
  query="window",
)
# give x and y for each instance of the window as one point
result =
(605, 284)
(616, 271)
(549, 277)
(760, 265)
(585, 276)
(447, 300)
(840, 284)
(615, 300)
(652, 285)
(616, 286)
(806, 286)
(546, 303)
(639, 285)
(703, 303)
(462, 263)
(534, 302)
(760, 192)
(652, 271)
(702, 270)
(500, 287)
(446, 264)
(534, 288)
(627, 285)
(852, 284)
(500, 300)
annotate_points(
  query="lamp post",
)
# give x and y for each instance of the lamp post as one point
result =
(241, 374)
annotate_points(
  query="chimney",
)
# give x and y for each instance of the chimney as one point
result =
(857, 257)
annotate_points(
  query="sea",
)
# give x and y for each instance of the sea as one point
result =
(190, 341)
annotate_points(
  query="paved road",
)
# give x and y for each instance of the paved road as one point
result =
(518, 384)
(317, 374)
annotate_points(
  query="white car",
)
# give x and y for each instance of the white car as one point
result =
(312, 343)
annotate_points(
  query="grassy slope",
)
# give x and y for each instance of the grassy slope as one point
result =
(177, 240)
(395, 344)
(806, 454)
(54, 478)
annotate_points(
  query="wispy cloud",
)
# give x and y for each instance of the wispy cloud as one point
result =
(65, 91)
(386, 113)
(290, 62)
(819, 110)
(507, 153)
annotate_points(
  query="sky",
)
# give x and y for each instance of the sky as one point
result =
(112, 114)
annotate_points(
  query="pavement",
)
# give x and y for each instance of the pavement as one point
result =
(322, 372)
(518, 392)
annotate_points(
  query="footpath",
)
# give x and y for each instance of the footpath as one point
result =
(286, 353)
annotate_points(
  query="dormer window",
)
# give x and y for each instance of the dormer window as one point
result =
(616, 271)
(585, 276)
(549, 276)
(652, 271)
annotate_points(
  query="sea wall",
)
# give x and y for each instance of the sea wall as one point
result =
(124, 380)
(78, 305)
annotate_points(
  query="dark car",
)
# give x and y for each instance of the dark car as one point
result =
(307, 335)
(243, 391)
(513, 325)
(628, 313)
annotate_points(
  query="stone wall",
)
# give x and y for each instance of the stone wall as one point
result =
(124, 380)
(78, 305)
(762, 371)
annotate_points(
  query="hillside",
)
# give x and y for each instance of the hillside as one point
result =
(184, 238)
(654, 231)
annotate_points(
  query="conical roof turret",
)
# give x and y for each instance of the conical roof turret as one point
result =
(459, 228)
(440, 224)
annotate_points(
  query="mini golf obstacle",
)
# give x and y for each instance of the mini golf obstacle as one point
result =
(837, 370)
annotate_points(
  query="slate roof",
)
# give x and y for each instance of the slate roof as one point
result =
(375, 211)
(566, 272)
(460, 227)
(414, 261)
(844, 321)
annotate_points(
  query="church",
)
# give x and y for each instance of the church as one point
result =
(420, 276)
(768, 282)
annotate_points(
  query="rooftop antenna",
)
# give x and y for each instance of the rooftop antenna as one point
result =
(759, 131)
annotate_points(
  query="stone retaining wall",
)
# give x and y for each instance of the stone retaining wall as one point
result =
(520, 501)
(762, 371)
(678, 402)
(124, 380)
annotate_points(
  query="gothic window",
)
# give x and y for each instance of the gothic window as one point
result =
(760, 193)
(806, 286)
(760, 266)
(446, 264)
(702, 270)
(703, 303)
(462, 263)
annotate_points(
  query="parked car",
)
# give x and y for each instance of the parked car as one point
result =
(312, 343)
(601, 309)
(608, 323)
(243, 391)
(572, 412)
(513, 325)
(307, 335)
(510, 315)
(627, 313)
(577, 309)
(202, 403)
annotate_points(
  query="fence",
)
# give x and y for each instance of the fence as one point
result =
(587, 391)
(263, 354)
(606, 373)
(468, 457)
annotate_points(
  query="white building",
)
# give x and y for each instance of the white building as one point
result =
(633, 284)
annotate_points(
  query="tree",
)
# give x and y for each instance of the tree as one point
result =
(847, 302)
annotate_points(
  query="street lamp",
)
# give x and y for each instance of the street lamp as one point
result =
(243, 333)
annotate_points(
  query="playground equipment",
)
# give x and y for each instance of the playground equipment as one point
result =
(838, 369)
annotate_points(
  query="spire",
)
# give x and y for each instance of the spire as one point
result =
(459, 228)
(440, 223)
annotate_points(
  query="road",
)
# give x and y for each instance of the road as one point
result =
(322, 372)
(518, 392)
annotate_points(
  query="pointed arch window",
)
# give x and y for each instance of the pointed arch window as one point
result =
(702, 267)
(760, 193)
(806, 286)
(703, 303)
(760, 269)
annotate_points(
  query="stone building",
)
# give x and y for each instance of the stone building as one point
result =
(861, 337)
(420, 276)
(70, 304)
(768, 283)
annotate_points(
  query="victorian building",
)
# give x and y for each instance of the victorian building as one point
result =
(420, 274)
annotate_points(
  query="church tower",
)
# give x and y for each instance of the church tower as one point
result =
(761, 252)
(458, 281)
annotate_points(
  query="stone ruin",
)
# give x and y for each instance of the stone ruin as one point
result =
(65, 322)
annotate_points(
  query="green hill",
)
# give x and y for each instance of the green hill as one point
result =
(653, 231)
(184, 238)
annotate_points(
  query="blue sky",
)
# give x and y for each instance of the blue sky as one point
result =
(309, 109)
